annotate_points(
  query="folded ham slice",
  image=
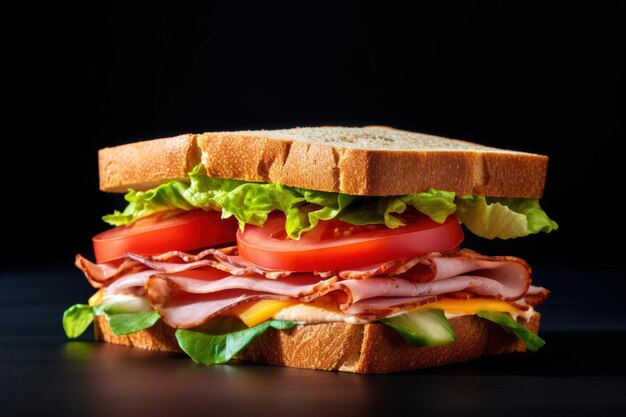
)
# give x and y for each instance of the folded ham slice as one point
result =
(103, 274)
(374, 298)
(533, 297)
(185, 311)
(100, 275)
(215, 258)
(133, 282)
(389, 268)
(189, 289)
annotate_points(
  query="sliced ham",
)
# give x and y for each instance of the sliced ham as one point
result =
(215, 258)
(183, 310)
(307, 287)
(133, 283)
(437, 266)
(533, 297)
(389, 268)
(100, 275)
(103, 274)
(379, 307)
(189, 289)
(497, 287)
(215, 291)
(207, 281)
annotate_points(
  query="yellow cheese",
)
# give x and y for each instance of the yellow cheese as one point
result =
(96, 299)
(260, 311)
(470, 306)
(324, 309)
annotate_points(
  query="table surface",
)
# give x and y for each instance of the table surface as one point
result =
(580, 370)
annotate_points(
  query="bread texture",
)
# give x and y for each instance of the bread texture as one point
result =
(145, 165)
(369, 161)
(369, 348)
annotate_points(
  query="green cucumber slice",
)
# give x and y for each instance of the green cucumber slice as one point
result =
(423, 328)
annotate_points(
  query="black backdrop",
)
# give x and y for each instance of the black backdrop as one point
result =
(544, 78)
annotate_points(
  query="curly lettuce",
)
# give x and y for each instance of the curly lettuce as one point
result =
(503, 218)
(251, 203)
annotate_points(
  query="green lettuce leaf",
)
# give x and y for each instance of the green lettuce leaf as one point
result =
(201, 192)
(380, 210)
(436, 204)
(503, 218)
(251, 203)
(530, 339)
(127, 323)
(77, 319)
(209, 349)
(300, 220)
(537, 220)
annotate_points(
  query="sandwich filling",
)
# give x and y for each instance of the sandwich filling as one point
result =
(252, 203)
(303, 257)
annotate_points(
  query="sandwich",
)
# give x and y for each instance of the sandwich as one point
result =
(327, 248)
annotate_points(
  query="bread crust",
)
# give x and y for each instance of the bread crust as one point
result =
(330, 159)
(147, 164)
(369, 348)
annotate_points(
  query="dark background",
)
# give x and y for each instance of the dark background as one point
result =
(543, 77)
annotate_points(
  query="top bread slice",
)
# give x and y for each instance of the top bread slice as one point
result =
(368, 161)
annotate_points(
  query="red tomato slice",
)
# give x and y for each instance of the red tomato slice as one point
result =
(189, 230)
(335, 245)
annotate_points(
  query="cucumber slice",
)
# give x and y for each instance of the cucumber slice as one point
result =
(423, 328)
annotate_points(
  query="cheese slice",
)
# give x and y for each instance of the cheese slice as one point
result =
(96, 298)
(323, 310)
(471, 306)
(260, 311)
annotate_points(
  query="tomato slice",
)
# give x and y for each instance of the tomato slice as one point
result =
(335, 245)
(155, 235)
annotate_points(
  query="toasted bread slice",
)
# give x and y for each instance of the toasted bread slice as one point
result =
(369, 348)
(369, 161)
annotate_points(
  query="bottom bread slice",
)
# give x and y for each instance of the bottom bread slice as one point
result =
(368, 348)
